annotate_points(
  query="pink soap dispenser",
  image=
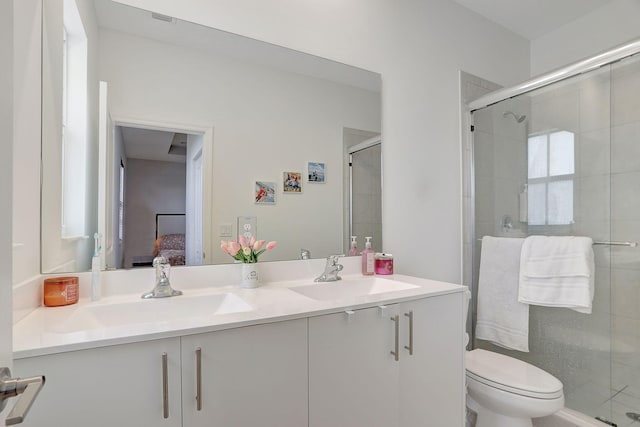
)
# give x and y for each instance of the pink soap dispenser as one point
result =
(368, 260)
(353, 251)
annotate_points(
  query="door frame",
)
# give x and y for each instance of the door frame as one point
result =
(204, 130)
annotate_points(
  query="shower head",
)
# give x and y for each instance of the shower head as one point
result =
(518, 118)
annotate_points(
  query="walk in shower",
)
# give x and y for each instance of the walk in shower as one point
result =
(564, 159)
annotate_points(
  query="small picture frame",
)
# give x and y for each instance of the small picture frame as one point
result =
(264, 193)
(316, 173)
(292, 182)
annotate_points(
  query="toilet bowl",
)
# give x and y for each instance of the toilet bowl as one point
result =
(507, 392)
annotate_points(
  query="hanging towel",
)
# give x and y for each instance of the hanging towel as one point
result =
(557, 271)
(501, 318)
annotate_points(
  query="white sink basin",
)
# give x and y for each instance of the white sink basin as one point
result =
(345, 289)
(151, 311)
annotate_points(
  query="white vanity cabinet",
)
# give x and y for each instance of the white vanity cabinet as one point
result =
(333, 370)
(432, 378)
(355, 380)
(251, 376)
(120, 385)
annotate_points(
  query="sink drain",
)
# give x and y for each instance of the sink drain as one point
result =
(634, 416)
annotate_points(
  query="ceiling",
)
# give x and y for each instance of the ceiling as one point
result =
(532, 18)
(147, 144)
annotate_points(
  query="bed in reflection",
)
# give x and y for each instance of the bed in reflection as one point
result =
(170, 239)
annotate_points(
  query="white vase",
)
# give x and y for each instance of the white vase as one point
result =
(250, 277)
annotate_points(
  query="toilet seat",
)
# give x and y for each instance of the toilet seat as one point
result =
(511, 375)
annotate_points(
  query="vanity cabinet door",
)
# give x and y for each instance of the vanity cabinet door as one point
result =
(353, 377)
(120, 385)
(432, 378)
(251, 376)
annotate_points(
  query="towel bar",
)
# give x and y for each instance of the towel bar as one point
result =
(630, 244)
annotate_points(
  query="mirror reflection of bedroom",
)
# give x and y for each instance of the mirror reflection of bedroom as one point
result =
(160, 175)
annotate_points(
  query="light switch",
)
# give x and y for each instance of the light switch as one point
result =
(226, 230)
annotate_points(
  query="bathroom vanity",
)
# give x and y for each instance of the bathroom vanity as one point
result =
(359, 352)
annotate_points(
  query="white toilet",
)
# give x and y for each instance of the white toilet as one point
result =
(507, 392)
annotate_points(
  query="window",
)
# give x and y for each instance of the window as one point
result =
(74, 124)
(551, 169)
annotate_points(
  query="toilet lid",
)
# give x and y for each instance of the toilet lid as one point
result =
(513, 375)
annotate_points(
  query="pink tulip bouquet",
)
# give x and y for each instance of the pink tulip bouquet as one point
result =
(246, 251)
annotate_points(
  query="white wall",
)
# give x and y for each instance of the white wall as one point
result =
(418, 47)
(605, 27)
(6, 124)
(265, 121)
(151, 188)
(26, 149)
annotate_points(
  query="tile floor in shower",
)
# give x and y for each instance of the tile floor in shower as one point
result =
(613, 407)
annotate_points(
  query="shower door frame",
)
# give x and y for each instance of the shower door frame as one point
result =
(574, 69)
(583, 66)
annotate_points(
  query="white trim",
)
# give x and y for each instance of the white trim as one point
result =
(142, 123)
(376, 140)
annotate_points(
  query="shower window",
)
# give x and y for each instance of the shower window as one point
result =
(551, 169)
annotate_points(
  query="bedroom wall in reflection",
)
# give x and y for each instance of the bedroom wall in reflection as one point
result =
(151, 187)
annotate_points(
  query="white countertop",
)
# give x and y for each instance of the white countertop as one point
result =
(48, 330)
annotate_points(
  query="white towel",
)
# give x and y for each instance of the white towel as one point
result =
(501, 318)
(557, 271)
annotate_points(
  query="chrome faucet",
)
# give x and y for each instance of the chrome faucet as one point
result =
(163, 288)
(331, 270)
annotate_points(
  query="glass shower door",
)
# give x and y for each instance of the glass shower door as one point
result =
(625, 226)
(542, 167)
(366, 195)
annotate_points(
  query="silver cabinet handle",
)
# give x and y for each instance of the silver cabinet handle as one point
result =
(198, 378)
(410, 346)
(396, 353)
(165, 386)
(10, 387)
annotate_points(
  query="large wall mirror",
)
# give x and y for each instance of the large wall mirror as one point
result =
(160, 134)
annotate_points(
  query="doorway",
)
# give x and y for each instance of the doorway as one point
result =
(160, 195)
